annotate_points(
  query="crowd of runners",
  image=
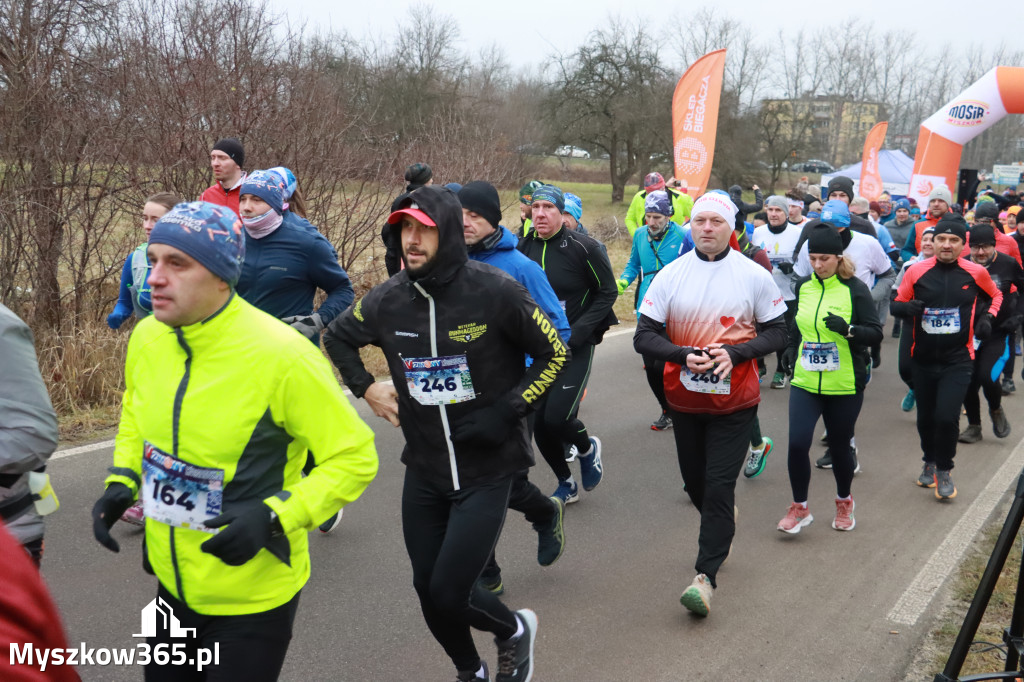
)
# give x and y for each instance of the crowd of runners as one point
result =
(236, 440)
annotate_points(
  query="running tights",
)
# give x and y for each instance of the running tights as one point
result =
(840, 415)
(940, 391)
(989, 360)
(555, 421)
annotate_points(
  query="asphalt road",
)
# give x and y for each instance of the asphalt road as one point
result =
(815, 606)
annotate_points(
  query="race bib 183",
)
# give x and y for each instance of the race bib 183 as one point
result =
(941, 320)
(178, 493)
(819, 357)
(439, 381)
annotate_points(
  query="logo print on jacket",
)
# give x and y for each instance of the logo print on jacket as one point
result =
(467, 332)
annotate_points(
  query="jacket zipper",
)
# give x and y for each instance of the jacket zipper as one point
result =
(817, 311)
(444, 414)
(179, 397)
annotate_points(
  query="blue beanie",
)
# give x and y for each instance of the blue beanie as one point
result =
(836, 213)
(900, 203)
(552, 194)
(288, 180)
(267, 186)
(658, 202)
(573, 206)
(209, 233)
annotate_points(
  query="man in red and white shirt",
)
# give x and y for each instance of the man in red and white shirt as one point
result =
(721, 311)
(226, 160)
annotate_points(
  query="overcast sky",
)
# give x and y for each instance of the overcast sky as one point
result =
(530, 31)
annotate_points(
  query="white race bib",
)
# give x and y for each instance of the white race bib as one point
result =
(439, 381)
(705, 382)
(178, 493)
(941, 320)
(819, 357)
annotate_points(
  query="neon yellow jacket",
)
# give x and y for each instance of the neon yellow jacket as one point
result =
(248, 394)
(681, 205)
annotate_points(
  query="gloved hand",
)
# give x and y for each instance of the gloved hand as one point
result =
(789, 360)
(114, 320)
(836, 324)
(246, 534)
(309, 325)
(785, 268)
(622, 285)
(983, 327)
(488, 426)
(106, 512)
(1011, 323)
(914, 308)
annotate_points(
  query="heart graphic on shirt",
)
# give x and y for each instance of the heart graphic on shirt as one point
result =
(727, 321)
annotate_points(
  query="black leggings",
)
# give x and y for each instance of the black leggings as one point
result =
(840, 415)
(555, 421)
(251, 647)
(449, 535)
(989, 360)
(528, 499)
(940, 391)
(711, 450)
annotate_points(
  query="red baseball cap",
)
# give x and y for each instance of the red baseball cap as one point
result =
(413, 211)
(654, 182)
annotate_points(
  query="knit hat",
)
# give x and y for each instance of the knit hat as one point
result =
(658, 202)
(233, 148)
(951, 223)
(653, 182)
(287, 180)
(267, 186)
(841, 183)
(453, 186)
(941, 192)
(573, 206)
(825, 239)
(777, 201)
(982, 235)
(836, 213)
(716, 202)
(209, 233)
(915, 211)
(417, 175)
(527, 190)
(552, 194)
(900, 203)
(986, 209)
(481, 198)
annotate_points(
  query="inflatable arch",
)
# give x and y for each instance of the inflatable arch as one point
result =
(943, 136)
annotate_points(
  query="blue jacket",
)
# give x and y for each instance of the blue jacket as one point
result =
(648, 257)
(132, 297)
(282, 271)
(503, 255)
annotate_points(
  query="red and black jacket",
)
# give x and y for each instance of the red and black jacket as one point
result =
(945, 285)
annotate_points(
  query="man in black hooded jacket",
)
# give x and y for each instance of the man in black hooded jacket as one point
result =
(454, 333)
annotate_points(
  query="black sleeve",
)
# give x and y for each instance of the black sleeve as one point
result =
(770, 337)
(343, 338)
(793, 340)
(649, 339)
(605, 294)
(867, 330)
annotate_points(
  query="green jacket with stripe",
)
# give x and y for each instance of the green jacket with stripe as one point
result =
(244, 393)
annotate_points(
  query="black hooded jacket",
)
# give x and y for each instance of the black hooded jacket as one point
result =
(458, 308)
(736, 194)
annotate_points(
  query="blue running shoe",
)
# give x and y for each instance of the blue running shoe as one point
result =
(591, 468)
(909, 400)
(567, 492)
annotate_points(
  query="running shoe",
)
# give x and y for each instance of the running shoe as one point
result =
(844, 515)
(909, 400)
(567, 492)
(515, 656)
(796, 518)
(778, 380)
(824, 438)
(591, 467)
(825, 461)
(758, 458)
(1000, 426)
(492, 584)
(876, 357)
(697, 597)
(551, 535)
(331, 523)
(1007, 386)
(570, 454)
(944, 488)
(972, 434)
(474, 675)
(927, 477)
(662, 423)
(896, 329)
(134, 516)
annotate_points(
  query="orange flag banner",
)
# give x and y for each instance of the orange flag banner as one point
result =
(695, 120)
(870, 177)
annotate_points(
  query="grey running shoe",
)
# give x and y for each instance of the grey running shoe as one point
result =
(492, 584)
(972, 434)
(697, 597)
(515, 657)
(825, 461)
(927, 477)
(778, 380)
(1007, 386)
(1000, 426)
(757, 459)
(662, 423)
(944, 488)
(551, 535)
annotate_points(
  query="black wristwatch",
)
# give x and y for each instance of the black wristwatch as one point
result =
(276, 530)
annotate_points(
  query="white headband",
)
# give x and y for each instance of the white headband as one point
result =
(716, 203)
(794, 202)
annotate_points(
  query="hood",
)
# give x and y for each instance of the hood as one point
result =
(443, 207)
(735, 193)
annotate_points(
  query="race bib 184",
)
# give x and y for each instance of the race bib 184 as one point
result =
(705, 382)
(178, 493)
(941, 320)
(439, 381)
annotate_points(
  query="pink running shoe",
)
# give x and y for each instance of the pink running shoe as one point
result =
(796, 518)
(844, 515)
(134, 515)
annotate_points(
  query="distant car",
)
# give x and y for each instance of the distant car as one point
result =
(813, 166)
(572, 152)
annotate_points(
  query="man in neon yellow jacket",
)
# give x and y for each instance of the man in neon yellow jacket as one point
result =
(221, 404)
(682, 203)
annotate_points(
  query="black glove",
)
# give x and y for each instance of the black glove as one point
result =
(1011, 323)
(983, 327)
(309, 325)
(488, 426)
(914, 308)
(786, 268)
(836, 324)
(246, 534)
(789, 360)
(106, 512)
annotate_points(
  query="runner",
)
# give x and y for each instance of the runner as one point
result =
(226, 160)
(581, 275)
(938, 296)
(899, 227)
(488, 242)
(939, 201)
(224, 445)
(828, 352)
(655, 245)
(416, 175)
(573, 213)
(907, 338)
(721, 312)
(654, 182)
(295, 200)
(526, 205)
(992, 352)
(457, 332)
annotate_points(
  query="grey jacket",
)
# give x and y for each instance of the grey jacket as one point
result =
(28, 426)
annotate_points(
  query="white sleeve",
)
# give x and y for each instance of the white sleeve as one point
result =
(880, 263)
(769, 303)
(803, 262)
(656, 299)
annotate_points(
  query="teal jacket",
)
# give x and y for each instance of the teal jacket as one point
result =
(648, 257)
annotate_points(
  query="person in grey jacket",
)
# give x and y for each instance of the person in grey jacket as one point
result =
(28, 432)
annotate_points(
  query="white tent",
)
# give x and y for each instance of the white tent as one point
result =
(894, 166)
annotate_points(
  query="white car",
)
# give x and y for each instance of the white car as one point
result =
(572, 152)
